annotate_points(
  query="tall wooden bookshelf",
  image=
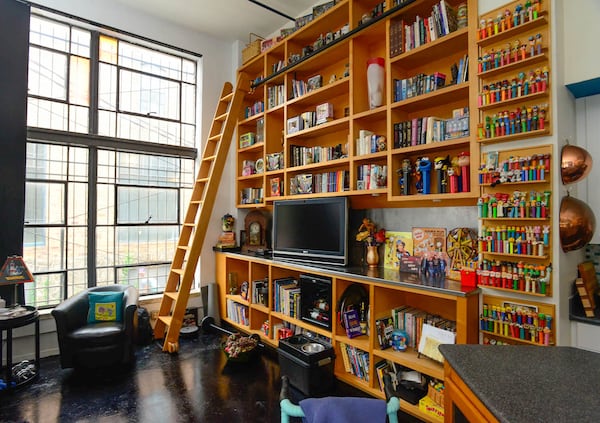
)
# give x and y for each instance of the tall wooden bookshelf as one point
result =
(335, 72)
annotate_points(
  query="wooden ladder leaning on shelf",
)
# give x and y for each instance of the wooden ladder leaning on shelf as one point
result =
(193, 231)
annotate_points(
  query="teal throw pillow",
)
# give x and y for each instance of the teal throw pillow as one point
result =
(105, 306)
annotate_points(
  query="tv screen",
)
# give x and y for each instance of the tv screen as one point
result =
(312, 230)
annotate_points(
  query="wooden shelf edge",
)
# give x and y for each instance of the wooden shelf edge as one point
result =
(515, 30)
(516, 137)
(519, 340)
(442, 145)
(516, 291)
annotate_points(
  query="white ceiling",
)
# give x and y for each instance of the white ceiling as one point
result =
(225, 19)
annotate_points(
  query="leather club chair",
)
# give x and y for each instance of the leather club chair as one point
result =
(93, 345)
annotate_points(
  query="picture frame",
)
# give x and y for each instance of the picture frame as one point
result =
(294, 124)
(314, 82)
(243, 238)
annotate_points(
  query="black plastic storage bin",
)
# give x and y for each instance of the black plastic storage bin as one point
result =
(308, 363)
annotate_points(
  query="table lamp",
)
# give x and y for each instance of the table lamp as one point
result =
(14, 272)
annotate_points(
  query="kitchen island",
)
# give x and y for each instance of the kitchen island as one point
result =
(520, 384)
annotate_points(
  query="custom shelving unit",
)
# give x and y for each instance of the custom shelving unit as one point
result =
(386, 289)
(514, 101)
(340, 59)
(513, 74)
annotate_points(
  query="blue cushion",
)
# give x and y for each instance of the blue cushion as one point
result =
(105, 306)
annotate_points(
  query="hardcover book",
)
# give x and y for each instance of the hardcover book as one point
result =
(352, 323)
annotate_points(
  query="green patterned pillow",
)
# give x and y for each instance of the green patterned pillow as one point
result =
(105, 306)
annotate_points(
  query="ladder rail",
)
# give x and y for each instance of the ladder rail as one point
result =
(197, 217)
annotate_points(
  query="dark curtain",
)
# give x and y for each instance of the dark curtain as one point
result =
(14, 53)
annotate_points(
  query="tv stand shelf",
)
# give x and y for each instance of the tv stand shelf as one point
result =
(386, 288)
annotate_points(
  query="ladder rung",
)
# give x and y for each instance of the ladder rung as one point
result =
(166, 320)
(192, 233)
(221, 117)
(173, 295)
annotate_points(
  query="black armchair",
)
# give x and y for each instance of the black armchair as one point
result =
(93, 345)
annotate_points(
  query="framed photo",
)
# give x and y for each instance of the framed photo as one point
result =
(294, 125)
(314, 82)
(243, 238)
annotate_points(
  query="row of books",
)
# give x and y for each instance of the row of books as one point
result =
(410, 320)
(369, 142)
(418, 85)
(419, 131)
(255, 109)
(277, 66)
(442, 21)
(461, 70)
(237, 312)
(301, 155)
(260, 291)
(356, 361)
(371, 176)
(286, 297)
(275, 95)
(336, 181)
(251, 195)
(300, 87)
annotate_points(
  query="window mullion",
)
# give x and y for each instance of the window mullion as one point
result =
(94, 82)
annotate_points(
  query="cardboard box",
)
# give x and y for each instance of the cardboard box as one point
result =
(431, 408)
(247, 139)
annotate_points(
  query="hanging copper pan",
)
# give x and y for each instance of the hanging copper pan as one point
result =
(576, 163)
(577, 224)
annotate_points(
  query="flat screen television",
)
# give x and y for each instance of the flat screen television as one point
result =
(311, 230)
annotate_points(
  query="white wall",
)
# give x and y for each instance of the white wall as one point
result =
(581, 35)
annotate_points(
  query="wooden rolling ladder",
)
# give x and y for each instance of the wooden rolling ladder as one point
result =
(189, 247)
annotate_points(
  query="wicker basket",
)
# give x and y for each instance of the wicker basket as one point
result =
(252, 48)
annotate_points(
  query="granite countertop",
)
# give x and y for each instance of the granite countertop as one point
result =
(379, 275)
(527, 384)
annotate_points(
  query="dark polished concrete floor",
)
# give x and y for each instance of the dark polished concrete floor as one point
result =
(194, 385)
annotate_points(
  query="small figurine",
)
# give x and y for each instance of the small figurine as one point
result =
(441, 169)
(418, 177)
(424, 165)
(464, 161)
(405, 178)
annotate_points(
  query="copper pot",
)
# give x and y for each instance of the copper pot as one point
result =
(577, 224)
(576, 163)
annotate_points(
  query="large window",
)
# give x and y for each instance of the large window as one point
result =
(110, 159)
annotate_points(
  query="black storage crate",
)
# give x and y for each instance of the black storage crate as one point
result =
(308, 363)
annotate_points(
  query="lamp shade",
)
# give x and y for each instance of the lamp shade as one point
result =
(577, 224)
(575, 165)
(14, 271)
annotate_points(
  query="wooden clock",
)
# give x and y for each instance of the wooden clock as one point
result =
(255, 225)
